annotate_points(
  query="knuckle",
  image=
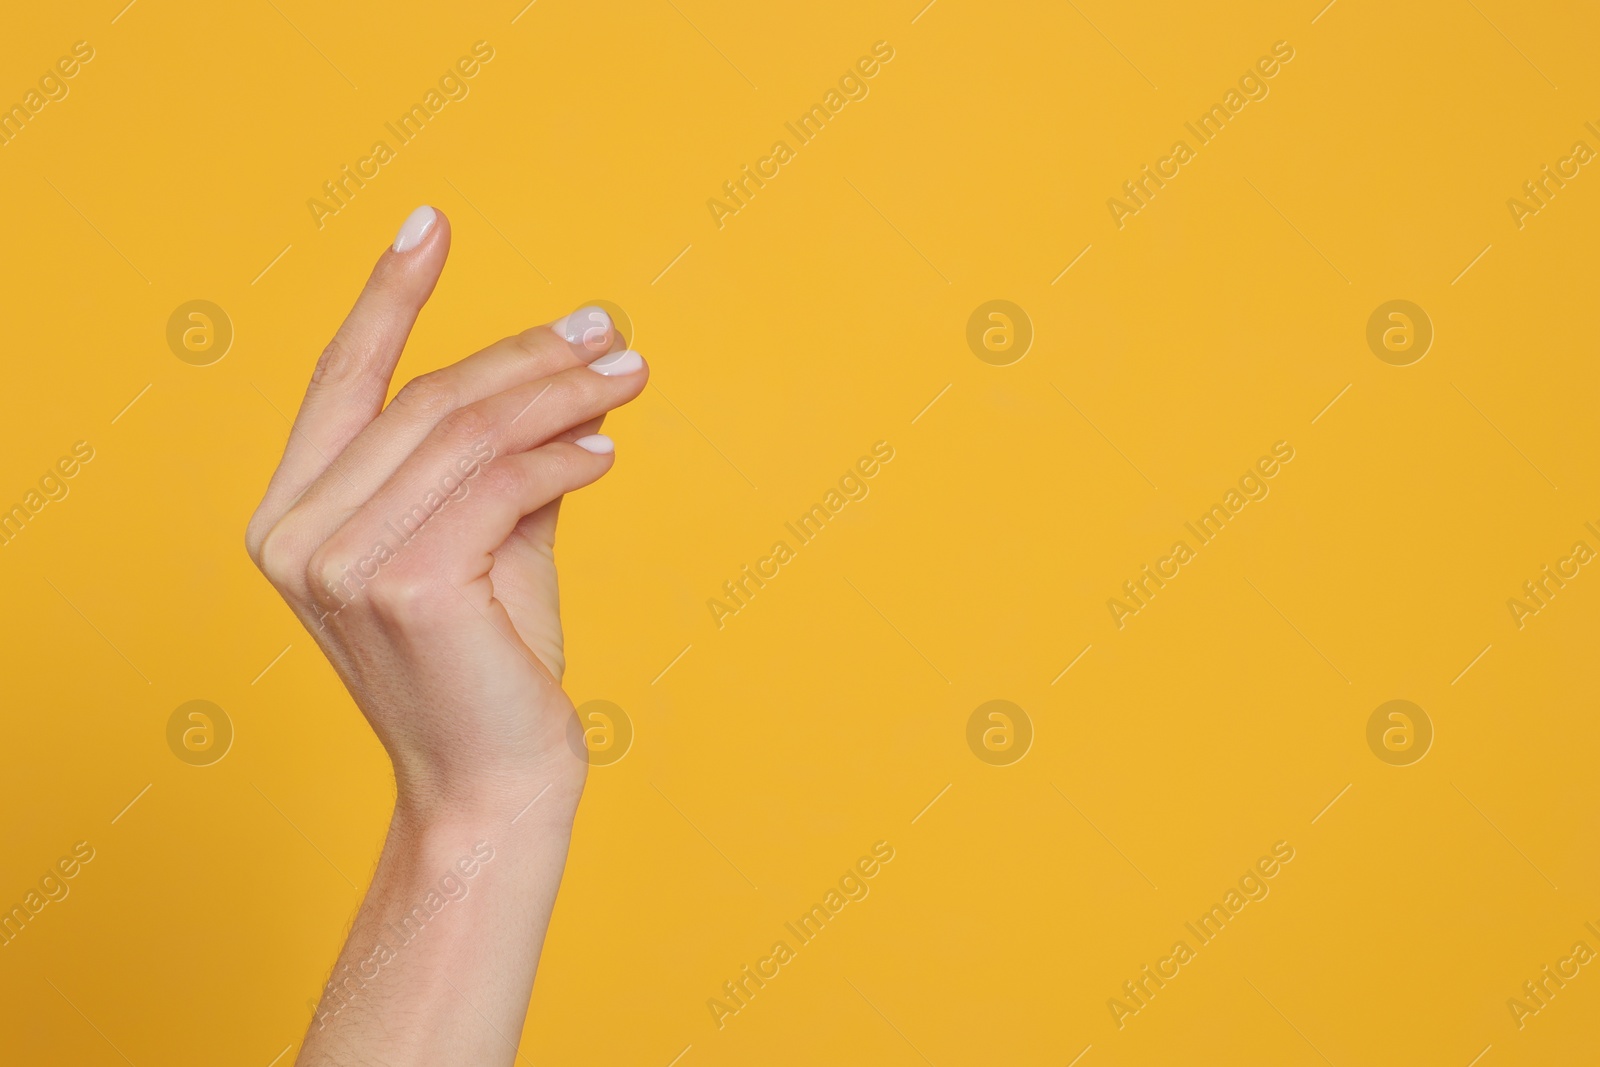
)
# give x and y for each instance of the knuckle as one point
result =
(326, 574)
(341, 361)
(536, 341)
(406, 598)
(464, 426)
(332, 364)
(503, 479)
(280, 554)
(255, 534)
(427, 398)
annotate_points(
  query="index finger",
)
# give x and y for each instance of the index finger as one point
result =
(351, 379)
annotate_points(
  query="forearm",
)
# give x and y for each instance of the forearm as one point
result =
(416, 541)
(439, 965)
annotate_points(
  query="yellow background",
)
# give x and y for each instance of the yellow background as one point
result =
(828, 714)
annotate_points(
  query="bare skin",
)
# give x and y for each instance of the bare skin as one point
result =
(415, 541)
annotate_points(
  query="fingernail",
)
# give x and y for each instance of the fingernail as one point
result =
(415, 228)
(598, 443)
(587, 326)
(617, 363)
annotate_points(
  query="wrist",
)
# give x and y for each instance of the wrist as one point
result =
(437, 811)
(501, 801)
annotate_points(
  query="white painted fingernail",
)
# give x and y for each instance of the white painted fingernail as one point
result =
(415, 228)
(587, 326)
(598, 443)
(617, 363)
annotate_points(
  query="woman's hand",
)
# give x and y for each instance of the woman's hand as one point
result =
(415, 541)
